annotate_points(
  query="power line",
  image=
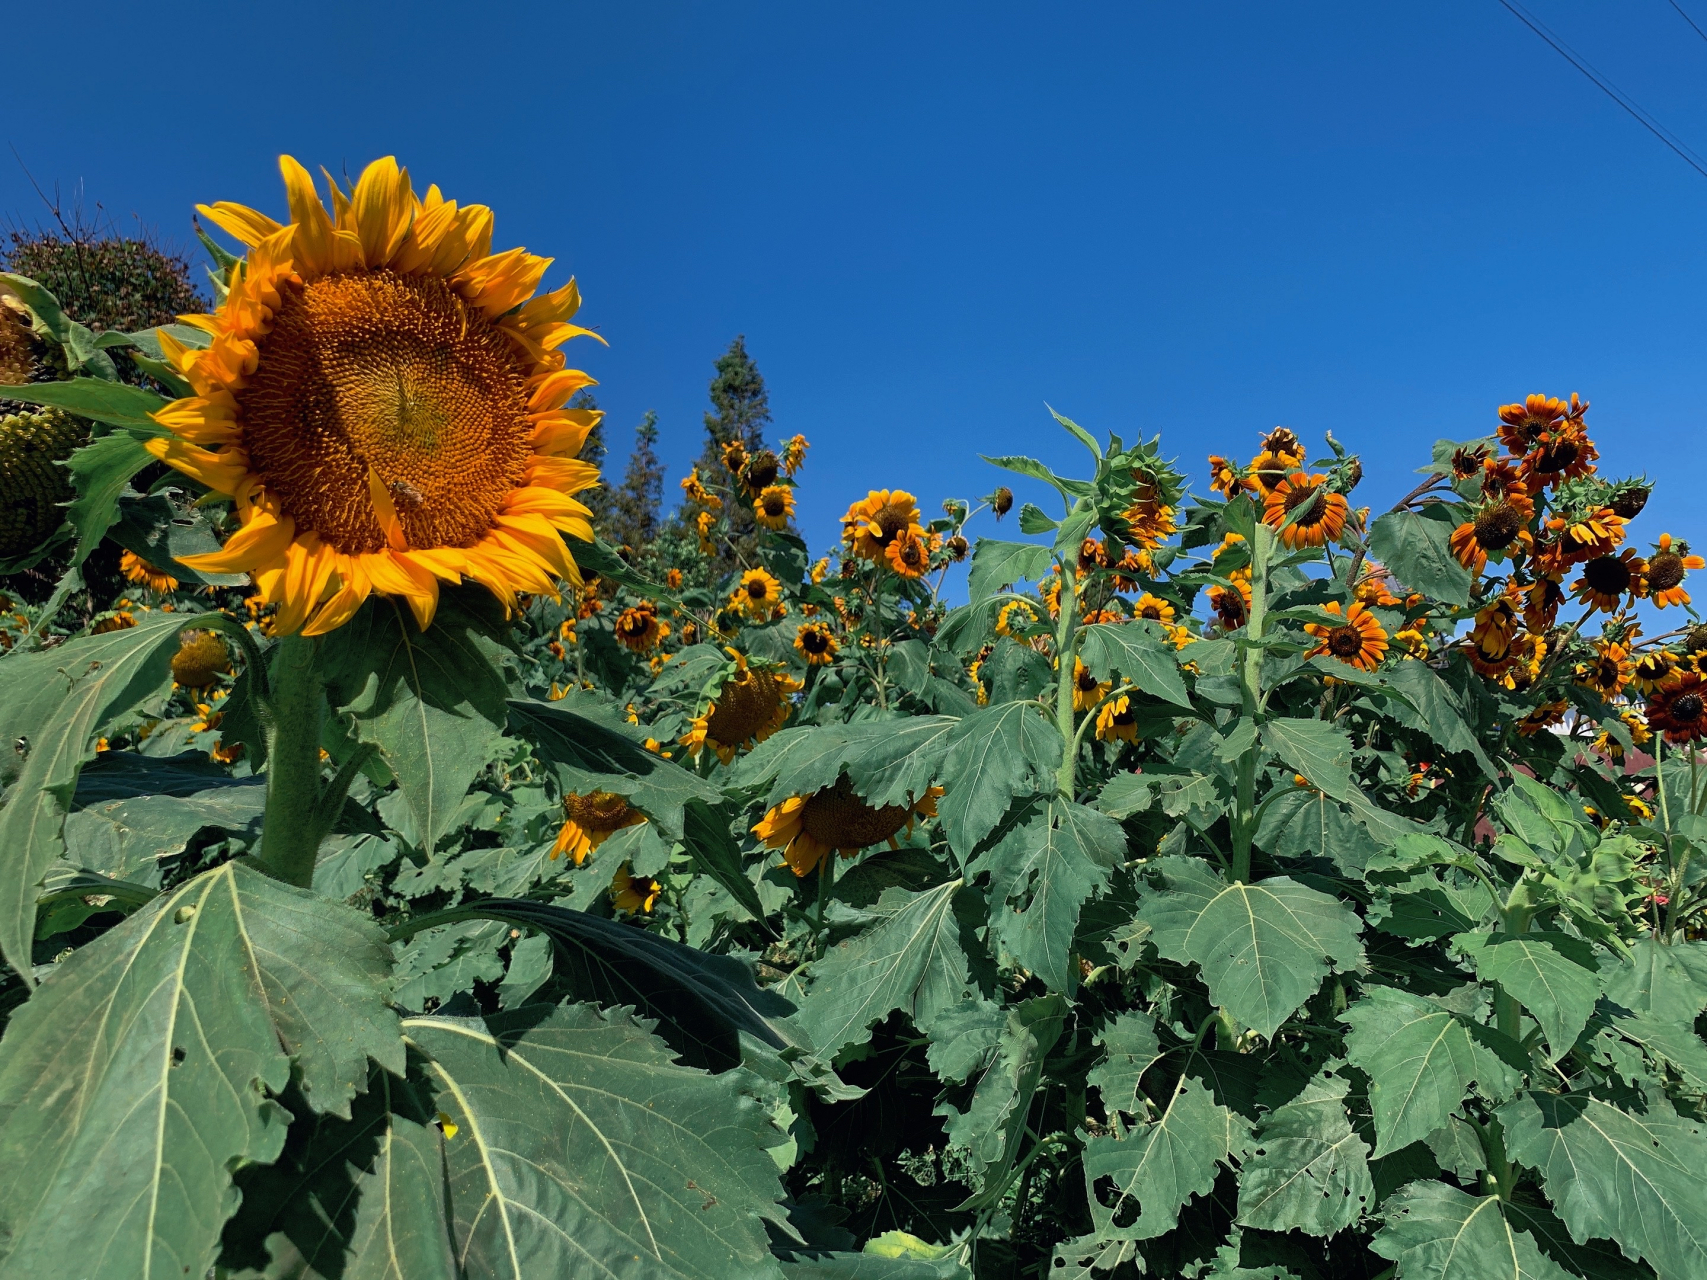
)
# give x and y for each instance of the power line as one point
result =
(1691, 21)
(1608, 88)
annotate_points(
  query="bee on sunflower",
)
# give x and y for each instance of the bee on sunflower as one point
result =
(774, 507)
(1662, 580)
(384, 401)
(143, 574)
(750, 704)
(758, 595)
(816, 643)
(1317, 515)
(1608, 580)
(589, 820)
(809, 828)
(640, 629)
(1360, 641)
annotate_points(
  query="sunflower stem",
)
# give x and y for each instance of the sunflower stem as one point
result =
(1066, 650)
(290, 834)
(1250, 691)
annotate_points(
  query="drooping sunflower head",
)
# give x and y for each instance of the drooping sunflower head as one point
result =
(1317, 516)
(384, 404)
(632, 893)
(1283, 442)
(1116, 721)
(1543, 718)
(201, 659)
(908, 554)
(958, 547)
(1360, 641)
(816, 643)
(1224, 477)
(758, 594)
(1002, 501)
(1680, 712)
(1629, 497)
(808, 828)
(1232, 605)
(589, 820)
(734, 456)
(639, 628)
(760, 472)
(751, 704)
(774, 506)
(139, 571)
(794, 454)
(872, 524)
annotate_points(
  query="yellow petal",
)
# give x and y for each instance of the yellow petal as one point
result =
(353, 590)
(382, 205)
(385, 511)
(240, 222)
(222, 472)
(263, 539)
(552, 391)
(312, 243)
(396, 576)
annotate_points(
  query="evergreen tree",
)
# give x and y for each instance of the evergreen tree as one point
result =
(740, 412)
(635, 515)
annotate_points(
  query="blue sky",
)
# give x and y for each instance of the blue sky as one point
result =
(928, 220)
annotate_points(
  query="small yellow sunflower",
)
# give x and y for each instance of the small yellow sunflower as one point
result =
(1115, 722)
(673, 579)
(871, 525)
(758, 595)
(694, 490)
(1359, 642)
(1655, 669)
(590, 820)
(908, 553)
(1154, 608)
(1663, 578)
(640, 629)
(1087, 689)
(1224, 477)
(1324, 513)
(139, 571)
(808, 828)
(1014, 616)
(1610, 747)
(384, 404)
(774, 507)
(816, 643)
(1608, 672)
(751, 705)
(629, 892)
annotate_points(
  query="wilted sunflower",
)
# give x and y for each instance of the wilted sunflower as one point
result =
(808, 828)
(384, 403)
(1087, 689)
(1541, 601)
(201, 659)
(1467, 460)
(957, 548)
(1154, 608)
(1359, 642)
(1521, 425)
(908, 553)
(794, 454)
(1116, 723)
(816, 643)
(1608, 671)
(1232, 605)
(1607, 580)
(774, 507)
(1681, 711)
(876, 521)
(1663, 578)
(695, 491)
(629, 892)
(639, 627)
(139, 571)
(1323, 513)
(1224, 477)
(590, 820)
(734, 456)
(751, 705)
(758, 594)
(1544, 717)
(760, 472)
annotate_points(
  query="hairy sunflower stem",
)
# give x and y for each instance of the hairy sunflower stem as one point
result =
(290, 833)
(1066, 650)
(1250, 691)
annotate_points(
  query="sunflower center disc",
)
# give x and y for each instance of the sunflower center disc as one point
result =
(1608, 575)
(1345, 642)
(600, 811)
(836, 817)
(1688, 707)
(1665, 571)
(396, 373)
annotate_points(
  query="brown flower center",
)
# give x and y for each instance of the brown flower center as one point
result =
(1608, 575)
(839, 819)
(394, 373)
(774, 506)
(1557, 456)
(1497, 527)
(760, 471)
(1688, 707)
(1345, 642)
(598, 811)
(744, 707)
(1306, 496)
(815, 641)
(1665, 571)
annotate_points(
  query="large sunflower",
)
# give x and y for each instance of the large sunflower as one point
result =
(1322, 517)
(1681, 711)
(384, 404)
(590, 820)
(750, 705)
(1360, 641)
(808, 828)
(873, 524)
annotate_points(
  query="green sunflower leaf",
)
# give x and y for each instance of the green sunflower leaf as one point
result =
(1553, 975)
(1140, 654)
(1414, 545)
(999, 564)
(1437, 1232)
(1318, 751)
(998, 753)
(1307, 1169)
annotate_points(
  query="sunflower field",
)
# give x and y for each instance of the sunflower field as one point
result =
(400, 879)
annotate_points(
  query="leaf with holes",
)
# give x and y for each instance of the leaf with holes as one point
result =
(1307, 1170)
(1553, 975)
(1437, 1232)
(1130, 1048)
(580, 1146)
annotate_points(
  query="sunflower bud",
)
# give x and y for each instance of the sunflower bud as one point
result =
(1353, 475)
(1002, 500)
(957, 547)
(1696, 640)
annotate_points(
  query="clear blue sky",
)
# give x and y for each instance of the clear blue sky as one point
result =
(929, 219)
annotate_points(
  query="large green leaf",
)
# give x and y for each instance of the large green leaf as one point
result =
(992, 756)
(1041, 874)
(57, 703)
(1264, 948)
(1635, 1179)
(98, 399)
(1421, 1060)
(1437, 1232)
(580, 1147)
(1139, 653)
(1130, 1048)
(101, 471)
(136, 1078)
(1415, 546)
(1669, 982)
(1553, 975)
(432, 701)
(1307, 1169)
(1315, 749)
(895, 762)
(1429, 706)
(1138, 1183)
(912, 961)
(996, 565)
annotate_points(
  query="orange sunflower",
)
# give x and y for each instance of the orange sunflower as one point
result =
(908, 554)
(1323, 513)
(590, 820)
(1154, 608)
(1232, 605)
(1495, 528)
(383, 403)
(1224, 477)
(1680, 712)
(871, 525)
(1608, 579)
(640, 629)
(1608, 672)
(1521, 425)
(1359, 642)
(808, 828)
(139, 571)
(1663, 579)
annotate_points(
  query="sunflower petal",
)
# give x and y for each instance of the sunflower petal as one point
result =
(217, 471)
(353, 591)
(382, 204)
(312, 243)
(397, 576)
(264, 538)
(240, 222)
